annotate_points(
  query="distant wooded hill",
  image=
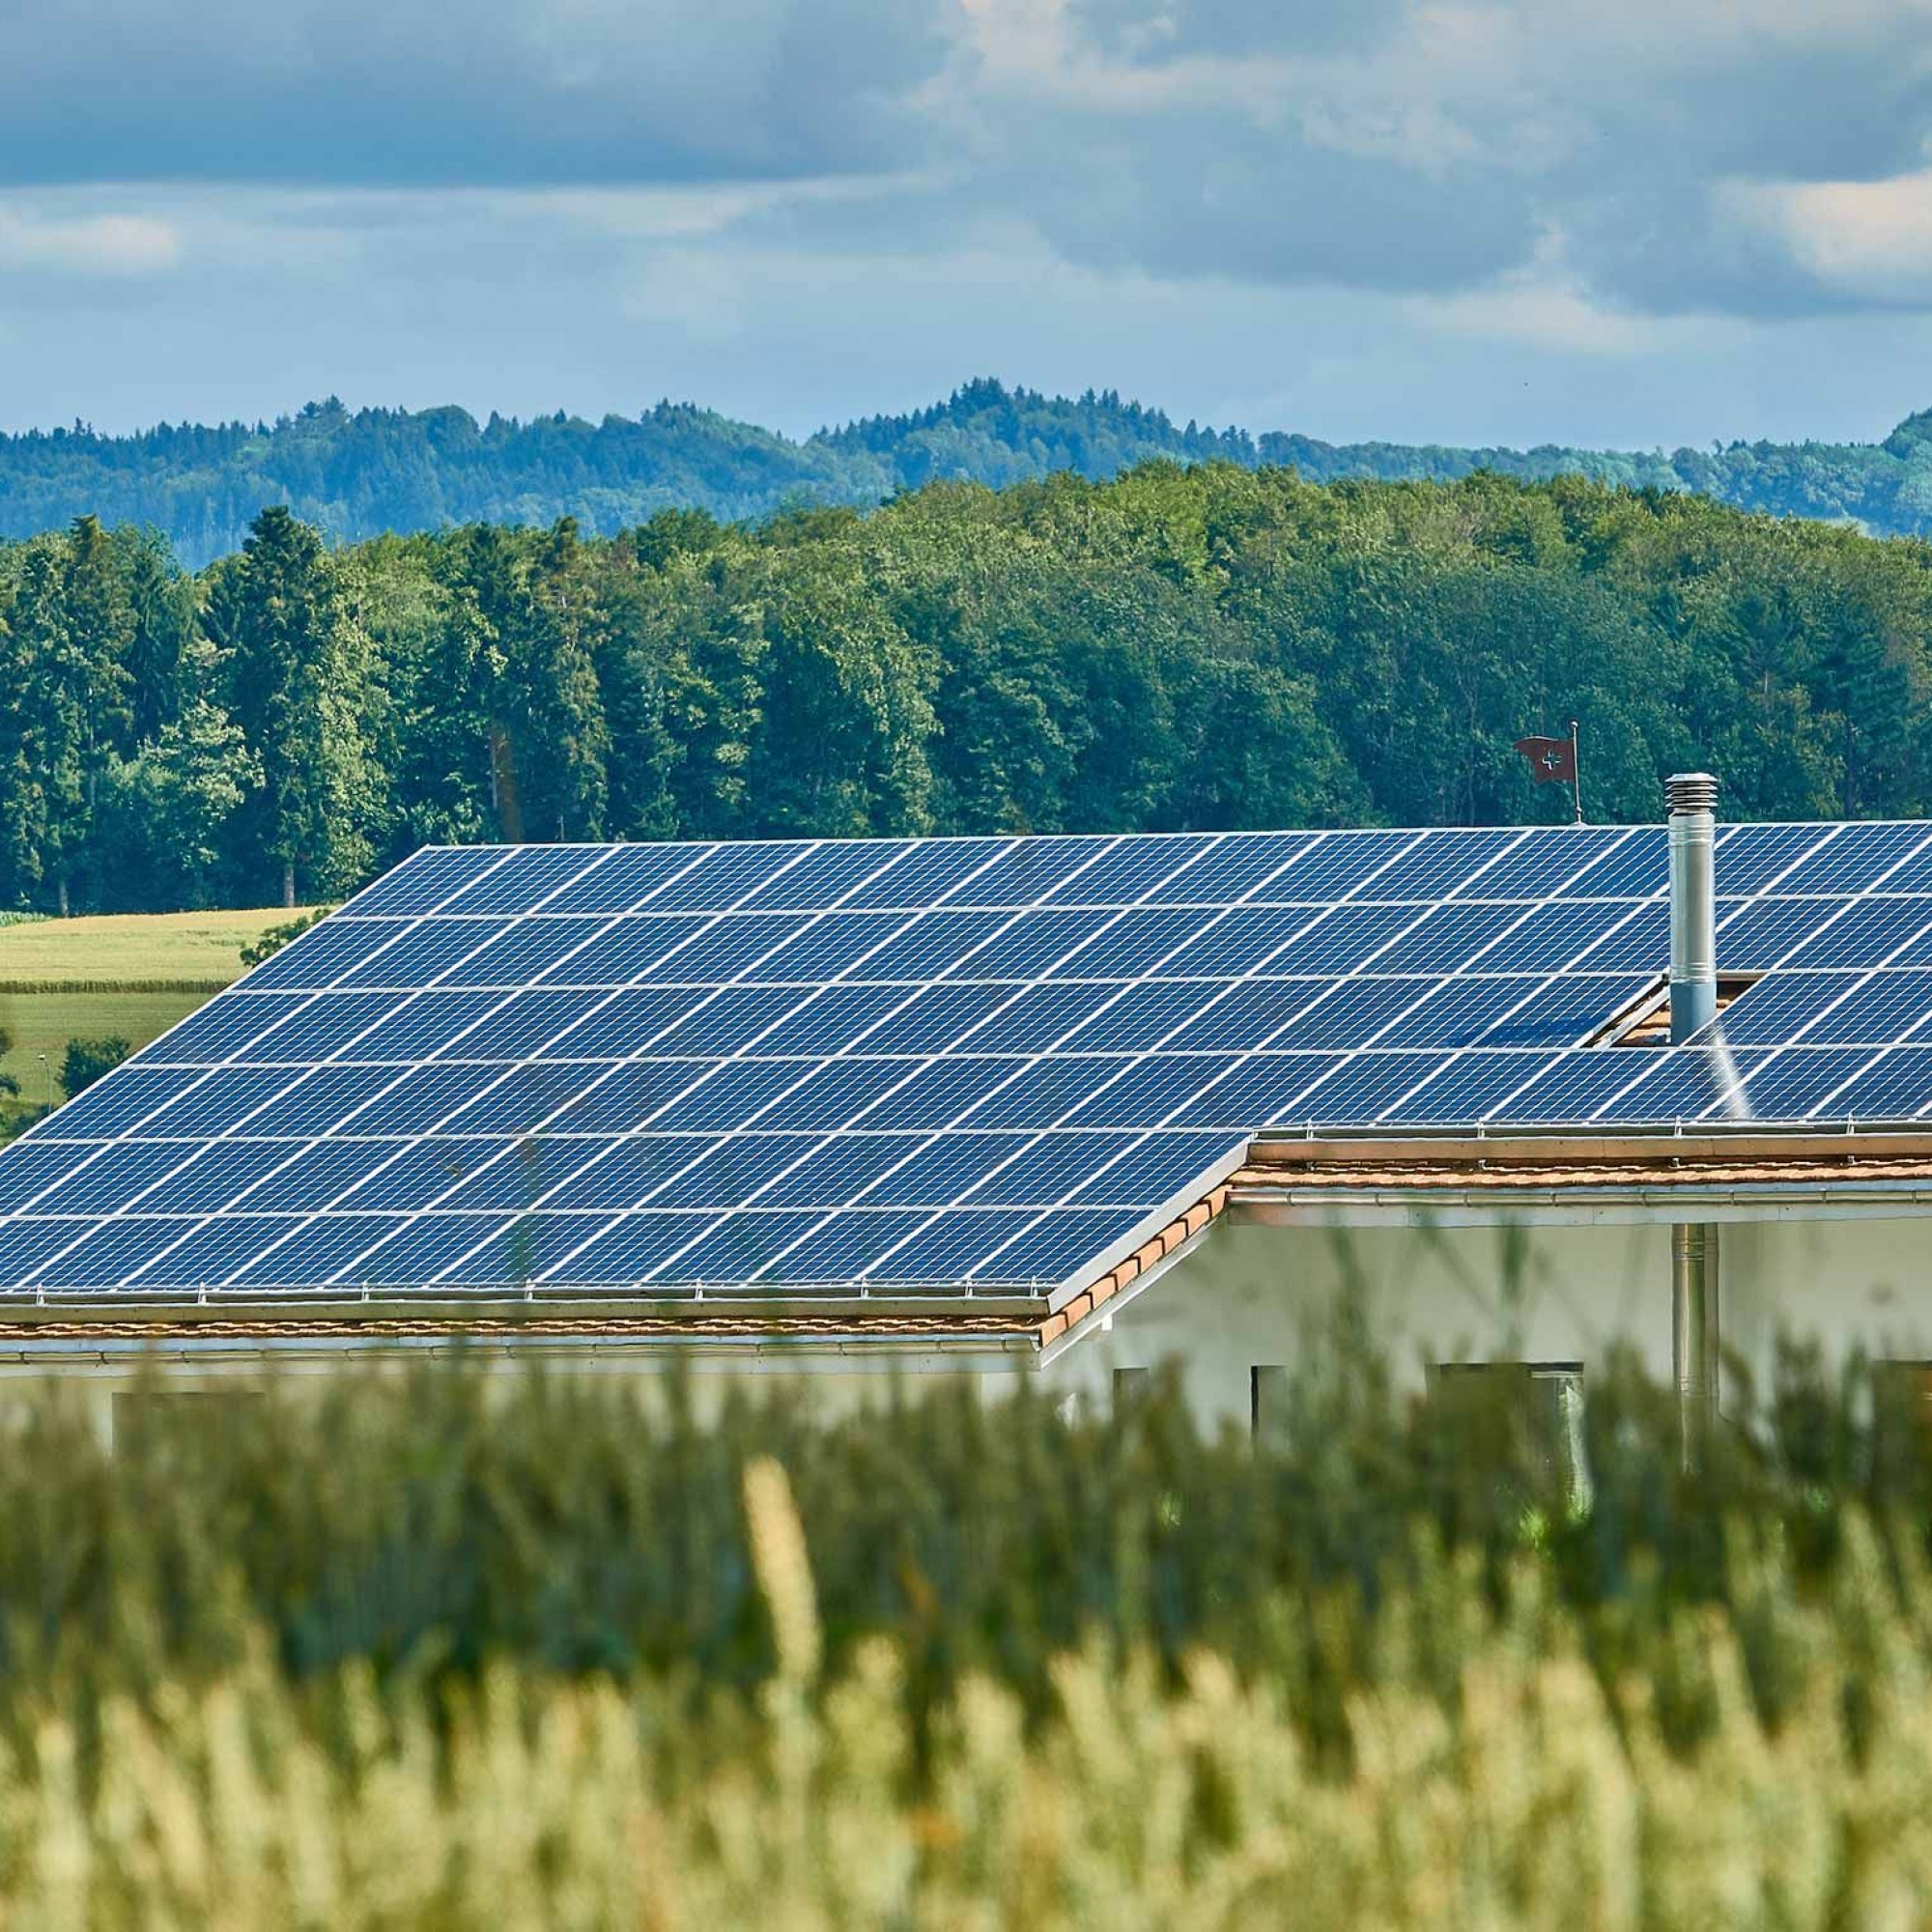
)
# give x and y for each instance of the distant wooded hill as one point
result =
(358, 473)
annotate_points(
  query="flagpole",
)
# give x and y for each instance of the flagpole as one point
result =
(1575, 774)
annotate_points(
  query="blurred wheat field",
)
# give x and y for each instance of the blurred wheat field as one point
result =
(417, 1653)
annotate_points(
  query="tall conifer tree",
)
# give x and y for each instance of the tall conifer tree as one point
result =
(298, 677)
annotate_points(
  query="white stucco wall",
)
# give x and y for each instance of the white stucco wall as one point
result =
(1243, 1295)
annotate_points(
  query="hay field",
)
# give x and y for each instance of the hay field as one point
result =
(133, 974)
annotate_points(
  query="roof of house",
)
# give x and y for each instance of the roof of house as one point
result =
(1682, 1172)
(925, 1071)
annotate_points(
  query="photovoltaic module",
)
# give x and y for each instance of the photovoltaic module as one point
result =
(927, 1066)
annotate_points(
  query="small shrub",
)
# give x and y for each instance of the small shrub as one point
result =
(276, 937)
(87, 1060)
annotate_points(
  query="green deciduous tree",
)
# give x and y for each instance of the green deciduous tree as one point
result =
(85, 1061)
(1220, 645)
(169, 807)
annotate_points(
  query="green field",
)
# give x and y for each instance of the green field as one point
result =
(453, 1650)
(134, 974)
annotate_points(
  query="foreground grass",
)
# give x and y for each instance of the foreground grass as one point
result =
(1527, 1795)
(128, 975)
(436, 1652)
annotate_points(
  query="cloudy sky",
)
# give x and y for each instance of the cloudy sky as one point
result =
(1638, 223)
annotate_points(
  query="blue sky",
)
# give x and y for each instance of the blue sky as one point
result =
(1636, 225)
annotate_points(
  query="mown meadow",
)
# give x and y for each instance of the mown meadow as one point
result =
(125, 977)
(436, 1649)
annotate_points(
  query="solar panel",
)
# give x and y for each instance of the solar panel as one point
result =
(1785, 1086)
(423, 1248)
(426, 880)
(423, 953)
(527, 877)
(1549, 936)
(223, 1026)
(1542, 863)
(1684, 1084)
(1430, 869)
(928, 1066)
(1029, 869)
(1751, 858)
(627, 1171)
(1472, 1086)
(846, 1246)
(1876, 1010)
(1130, 868)
(1459, 1012)
(1766, 932)
(627, 1250)
(1233, 867)
(202, 1180)
(946, 1247)
(1895, 1085)
(732, 1250)
(312, 1257)
(1868, 933)
(1157, 1168)
(1447, 936)
(217, 1247)
(1054, 1244)
(319, 1172)
(1567, 1010)
(1853, 859)
(326, 954)
(1204, 1018)
(1780, 1007)
(1339, 865)
(730, 1171)
(845, 1167)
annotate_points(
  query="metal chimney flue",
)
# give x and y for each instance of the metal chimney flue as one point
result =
(1693, 902)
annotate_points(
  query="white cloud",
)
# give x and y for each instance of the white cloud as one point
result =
(1546, 315)
(1545, 306)
(93, 245)
(1870, 241)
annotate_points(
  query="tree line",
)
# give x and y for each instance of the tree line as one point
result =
(358, 473)
(1211, 646)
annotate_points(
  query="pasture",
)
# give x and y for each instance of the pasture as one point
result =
(131, 974)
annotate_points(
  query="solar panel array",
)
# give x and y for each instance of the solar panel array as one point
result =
(926, 1066)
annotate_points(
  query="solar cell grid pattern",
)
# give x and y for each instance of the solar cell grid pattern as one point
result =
(926, 1067)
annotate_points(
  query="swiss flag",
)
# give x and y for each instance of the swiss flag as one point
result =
(1550, 759)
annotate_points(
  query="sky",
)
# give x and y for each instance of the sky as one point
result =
(1639, 224)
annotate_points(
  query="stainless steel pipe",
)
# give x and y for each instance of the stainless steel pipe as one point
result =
(1694, 1333)
(1693, 902)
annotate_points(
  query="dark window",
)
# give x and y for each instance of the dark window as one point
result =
(1901, 1416)
(1267, 1404)
(1529, 1413)
(210, 1413)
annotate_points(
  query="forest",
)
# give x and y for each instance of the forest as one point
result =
(359, 473)
(1195, 646)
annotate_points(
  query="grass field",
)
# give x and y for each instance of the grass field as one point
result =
(133, 975)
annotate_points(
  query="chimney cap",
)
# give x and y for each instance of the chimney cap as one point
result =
(1690, 791)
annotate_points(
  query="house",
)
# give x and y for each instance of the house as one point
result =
(1045, 1106)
